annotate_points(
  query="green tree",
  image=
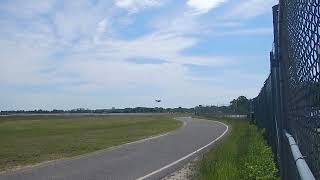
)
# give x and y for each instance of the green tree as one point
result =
(240, 105)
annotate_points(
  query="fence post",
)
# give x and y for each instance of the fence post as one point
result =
(281, 82)
(283, 77)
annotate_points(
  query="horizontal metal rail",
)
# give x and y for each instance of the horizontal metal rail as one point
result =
(303, 168)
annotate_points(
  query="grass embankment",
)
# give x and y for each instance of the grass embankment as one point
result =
(243, 155)
(32, 139)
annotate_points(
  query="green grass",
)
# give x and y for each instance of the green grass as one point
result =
(244, 154)
(28, 140)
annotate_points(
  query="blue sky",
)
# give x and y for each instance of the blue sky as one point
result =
(58, 54)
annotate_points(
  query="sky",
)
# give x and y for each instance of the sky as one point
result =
(57, 54)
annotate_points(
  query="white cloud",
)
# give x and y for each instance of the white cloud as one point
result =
(178, 23)
(103, 29)
(242, 31)
(79, 19)
(21, 9)
(102, 26)
(204, 6)
(246, 9)
(134, 6)
(162, 46)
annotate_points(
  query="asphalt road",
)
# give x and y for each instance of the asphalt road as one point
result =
(148, 159)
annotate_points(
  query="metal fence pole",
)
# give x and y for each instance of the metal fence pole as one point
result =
(278, 95)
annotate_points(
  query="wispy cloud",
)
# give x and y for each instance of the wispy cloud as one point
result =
(21, 9)
(246, 9)
(204, 6)
(134, 6)
(242, 31)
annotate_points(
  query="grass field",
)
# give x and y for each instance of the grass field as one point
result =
(28, 140)
(244, 154)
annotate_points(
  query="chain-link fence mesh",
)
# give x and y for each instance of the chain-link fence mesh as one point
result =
(290, 97)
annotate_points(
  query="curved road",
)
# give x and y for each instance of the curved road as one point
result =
(153, 158)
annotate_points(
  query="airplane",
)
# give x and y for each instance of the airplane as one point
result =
(158, 100)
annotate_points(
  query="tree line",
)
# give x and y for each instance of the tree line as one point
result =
(113, 110)
(241, 105)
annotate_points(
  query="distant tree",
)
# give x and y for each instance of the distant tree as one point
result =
(240, 105)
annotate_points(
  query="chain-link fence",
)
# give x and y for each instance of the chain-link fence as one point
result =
(290, 98)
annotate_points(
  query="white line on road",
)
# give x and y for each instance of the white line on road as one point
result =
(187, 156)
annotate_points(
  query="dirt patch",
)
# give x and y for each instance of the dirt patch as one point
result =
(187, 172)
